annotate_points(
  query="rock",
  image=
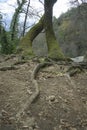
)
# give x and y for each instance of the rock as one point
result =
(12, 120)
(51, 98)
(78, 59)
(4, 113)
(28, 112)
(29, 92)
(25, 127)
(40, 114)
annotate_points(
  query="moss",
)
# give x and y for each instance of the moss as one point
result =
(54, 50)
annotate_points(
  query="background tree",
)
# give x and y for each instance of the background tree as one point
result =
(15, 19)
(5, 45)
(26, 15)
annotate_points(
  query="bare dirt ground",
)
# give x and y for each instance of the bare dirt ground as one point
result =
(61, 105)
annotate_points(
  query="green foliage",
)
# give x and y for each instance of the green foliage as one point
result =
(6, 45)
(15, 20)
(71, 31)
(14, 27)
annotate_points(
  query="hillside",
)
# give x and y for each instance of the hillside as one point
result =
(61, 104)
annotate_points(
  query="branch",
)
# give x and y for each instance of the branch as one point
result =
(26, 15)
(41, 2)
(18, 2)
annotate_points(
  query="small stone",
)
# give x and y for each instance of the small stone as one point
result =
(28, 112)
(25, 127)
(12, 119)
(40, 114)
(4, 113)
(29, 92)
(52, 98)
(56, 101)
(36, 127)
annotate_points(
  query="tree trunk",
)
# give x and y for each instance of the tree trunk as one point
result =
(26, 14)
(25, 45)
(15, 18)
(54, 50)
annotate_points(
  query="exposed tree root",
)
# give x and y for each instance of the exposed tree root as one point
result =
(34, 96)
(37, 89)
(74, 70)
(82, 65)
(34, 81)
(77, 68)
(8, 68)
(65, 61)
(38, 67)
(20, 62)
(12, 67)
(9, 57)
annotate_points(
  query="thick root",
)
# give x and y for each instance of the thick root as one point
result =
(37, 89)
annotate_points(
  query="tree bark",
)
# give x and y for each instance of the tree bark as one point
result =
(54, 50)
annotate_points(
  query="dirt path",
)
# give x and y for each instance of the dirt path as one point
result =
(61, 105)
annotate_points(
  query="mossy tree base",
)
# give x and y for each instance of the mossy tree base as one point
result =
(54, 51)
(56, 54)
(25, 48)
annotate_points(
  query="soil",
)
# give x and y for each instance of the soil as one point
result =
(61, 104)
